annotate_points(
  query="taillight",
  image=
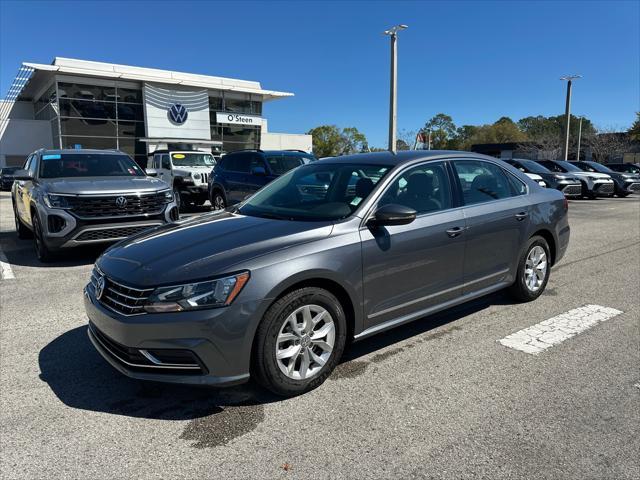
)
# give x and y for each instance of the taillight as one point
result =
(566, 204)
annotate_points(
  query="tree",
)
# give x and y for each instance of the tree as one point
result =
(634, 130)
(462, 139)
(443, 130)
(402, 145)
(331, 141)
(609, 145)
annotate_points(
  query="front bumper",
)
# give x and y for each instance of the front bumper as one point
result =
(218, 339)
(78, 232)
(570, 189)
(603, 189)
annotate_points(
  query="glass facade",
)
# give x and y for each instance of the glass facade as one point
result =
(95, 116)
(112, 116)
(235, 137)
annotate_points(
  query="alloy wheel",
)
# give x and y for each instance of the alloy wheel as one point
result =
(218, 202)
(536, 267)
(305, 342)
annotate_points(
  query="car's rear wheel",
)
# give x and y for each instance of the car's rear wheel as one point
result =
(177, 197)
(533, 271)
(43, 252)
(21, 229)
(299, 342)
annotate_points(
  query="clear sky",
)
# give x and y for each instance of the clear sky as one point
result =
(476, 61)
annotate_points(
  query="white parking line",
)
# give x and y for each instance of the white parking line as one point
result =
(543, 335)
(6, 272)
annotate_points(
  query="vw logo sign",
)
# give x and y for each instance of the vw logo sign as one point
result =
(121, 202)
(99, 287)
(178, 113)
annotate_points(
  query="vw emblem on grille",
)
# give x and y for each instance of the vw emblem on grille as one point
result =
(121, 202)
(178, 113)
(99, 287)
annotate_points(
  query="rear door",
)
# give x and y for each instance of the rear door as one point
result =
(237, 175)
(496, 211)
(413, 267)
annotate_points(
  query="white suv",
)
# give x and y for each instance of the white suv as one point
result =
(187, 171)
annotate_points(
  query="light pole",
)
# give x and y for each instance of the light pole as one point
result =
(579, 138)
(393, 100)
(567, 111)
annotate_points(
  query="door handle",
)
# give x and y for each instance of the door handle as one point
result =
(521, 216)
(455, 231)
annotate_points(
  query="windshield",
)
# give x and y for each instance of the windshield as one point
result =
(88, 165)
(568, 167)
(185, 159)
(533, 167)
(280, 164)
(317, 192)
(597, 167)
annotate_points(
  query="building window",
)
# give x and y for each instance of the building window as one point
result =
(96, 116)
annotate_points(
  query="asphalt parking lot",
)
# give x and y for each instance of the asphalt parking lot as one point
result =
(439, 398)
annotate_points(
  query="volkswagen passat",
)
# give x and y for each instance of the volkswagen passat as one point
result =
(338, 249)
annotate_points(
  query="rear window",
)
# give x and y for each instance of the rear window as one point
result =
(280, 164)
(88, 165)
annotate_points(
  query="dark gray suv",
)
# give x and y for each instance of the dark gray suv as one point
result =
(342, 248)
(67, 198)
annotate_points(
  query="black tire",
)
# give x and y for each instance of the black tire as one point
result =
(623, 195)
(218, 202)
(519, 290)
(177, 197)
(265, 368)
(43, 252)
(21, 229)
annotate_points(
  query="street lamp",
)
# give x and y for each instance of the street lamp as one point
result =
(393, 101)
(567, 111)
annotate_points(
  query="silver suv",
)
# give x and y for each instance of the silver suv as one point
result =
(66, 198)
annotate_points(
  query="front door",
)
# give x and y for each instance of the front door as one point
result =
(410, 268)
(497, 217)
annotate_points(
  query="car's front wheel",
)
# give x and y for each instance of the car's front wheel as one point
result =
(299, 342)
(43, 252)
(533, 270)
(217, 200)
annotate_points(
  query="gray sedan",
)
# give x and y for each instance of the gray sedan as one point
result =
(342, 248)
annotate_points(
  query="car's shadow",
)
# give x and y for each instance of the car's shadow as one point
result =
(22, 253)
(81, 379)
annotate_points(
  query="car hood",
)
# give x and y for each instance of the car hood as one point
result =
(534, 176)
(102, 185)
(203, 247)
(599, 176)
(551, 177)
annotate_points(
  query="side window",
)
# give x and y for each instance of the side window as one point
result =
(166, 162)
(256, 161)
(482, 181)
(424, 188)
(32, 165)
(240, 162)
(27, 162)
(517, 186)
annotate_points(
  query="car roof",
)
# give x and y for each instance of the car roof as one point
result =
(402, 157)
(72, 151)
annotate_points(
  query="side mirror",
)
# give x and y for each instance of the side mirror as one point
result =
(392, 214)
(259, 172)
(151, 172)
(22, 175)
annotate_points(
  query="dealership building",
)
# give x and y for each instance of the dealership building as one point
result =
(85, 104)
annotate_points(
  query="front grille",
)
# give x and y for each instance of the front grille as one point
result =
(572, 190)
(121, 298)
(117, 205)
(604, 188)
(634, 187)
(111, 233)
(205, 178)
(159, 361)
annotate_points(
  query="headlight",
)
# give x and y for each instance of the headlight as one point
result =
(168, 196)
(195, 296)
(542, 183)
(196, 176)
(593, 178)
(56, 201)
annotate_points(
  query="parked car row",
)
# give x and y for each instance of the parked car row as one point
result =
(584, 178)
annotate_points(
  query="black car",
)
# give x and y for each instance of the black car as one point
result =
(242, 173)
(624, 183)
(6, 178)
(570, 186)
(625, 167)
